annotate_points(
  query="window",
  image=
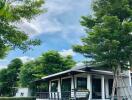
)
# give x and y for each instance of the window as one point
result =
(81, 83)
(54, 86)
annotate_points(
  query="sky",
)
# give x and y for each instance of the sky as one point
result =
(58, 29)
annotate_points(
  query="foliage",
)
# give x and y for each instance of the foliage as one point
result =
(4, 87)
(27, 72)
(49, 63)
(52, 62)
(9, 77)
(17, 98)
(12, 12)
(109, 33)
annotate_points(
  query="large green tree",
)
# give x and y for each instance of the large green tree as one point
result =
(49, 63)
(52, 62)
(11, 12)
(9, 77)
(109, 34)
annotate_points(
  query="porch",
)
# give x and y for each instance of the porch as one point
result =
(78, 86)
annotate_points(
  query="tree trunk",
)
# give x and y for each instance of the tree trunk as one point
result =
(116, 84)
(119, 97)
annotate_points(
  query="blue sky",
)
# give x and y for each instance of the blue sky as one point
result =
(58, 29)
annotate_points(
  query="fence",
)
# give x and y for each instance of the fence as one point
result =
(64, 95)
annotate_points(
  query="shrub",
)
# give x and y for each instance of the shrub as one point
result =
(17, 98)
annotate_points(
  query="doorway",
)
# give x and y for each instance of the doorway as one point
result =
(96, 88)
(66, 88)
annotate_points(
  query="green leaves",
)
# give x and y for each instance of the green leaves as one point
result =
(10, 13)
(48, 63)
(109, 37)
(9, 77)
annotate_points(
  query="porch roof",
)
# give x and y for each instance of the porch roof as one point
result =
(80, 69)
(61, 74)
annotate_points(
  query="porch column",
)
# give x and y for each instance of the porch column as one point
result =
(72, 84)
(107, 88)
(49, 89)
(59, 87)
(89, 85)
(73, 94)
(49, 86)
(102, 87)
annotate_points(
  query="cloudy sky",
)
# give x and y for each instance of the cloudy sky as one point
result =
(58, 29)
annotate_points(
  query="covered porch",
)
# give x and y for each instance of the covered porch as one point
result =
(77, 85)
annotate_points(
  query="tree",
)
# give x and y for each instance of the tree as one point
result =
(49, 63)
(9, 77)
(52, 62)
(11, 12)
(13, 72)
(109, 34)
(4, 87)
(27, 73)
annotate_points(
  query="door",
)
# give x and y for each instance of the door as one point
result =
(66, 88)
(96, 88)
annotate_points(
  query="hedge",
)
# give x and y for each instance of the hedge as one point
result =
(17, 98)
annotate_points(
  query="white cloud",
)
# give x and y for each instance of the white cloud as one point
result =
(3, 60)
(49, 22)
(26, 59)
(80, 64)
(67, 52)
(3, 66)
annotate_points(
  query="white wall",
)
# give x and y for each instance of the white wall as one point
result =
(23, 92)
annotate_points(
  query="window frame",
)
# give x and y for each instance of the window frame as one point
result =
(81, 86)
(55, 89)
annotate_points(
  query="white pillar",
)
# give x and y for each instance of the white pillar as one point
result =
(59, 87)
(102, 88)
(89, 86)
(72, 84)
(50, 89)
(49, 86)
(107, 88)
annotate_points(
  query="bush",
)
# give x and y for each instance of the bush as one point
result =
(17, 98)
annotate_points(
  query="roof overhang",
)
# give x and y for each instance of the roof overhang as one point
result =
(60, 74)
(90, 70)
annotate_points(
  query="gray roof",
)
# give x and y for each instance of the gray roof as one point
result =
(63, 72)
(80, 68)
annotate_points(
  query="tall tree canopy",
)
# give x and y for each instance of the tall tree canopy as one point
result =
(109, 33)
(49, 63)
(11, 12)
(9, 77)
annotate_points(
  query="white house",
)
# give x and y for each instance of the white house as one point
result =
(78, 82)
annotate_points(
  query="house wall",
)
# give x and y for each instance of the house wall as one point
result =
(23, 92)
